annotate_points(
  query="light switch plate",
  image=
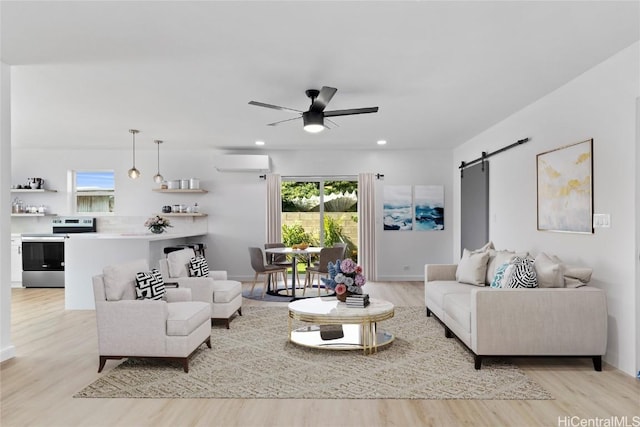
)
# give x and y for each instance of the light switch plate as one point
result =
(601, 220)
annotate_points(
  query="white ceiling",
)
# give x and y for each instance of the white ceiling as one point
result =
(441, 72)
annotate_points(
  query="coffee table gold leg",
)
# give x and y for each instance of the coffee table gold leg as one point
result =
(289, 328)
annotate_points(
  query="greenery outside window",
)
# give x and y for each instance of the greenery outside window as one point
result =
(320, 211)
(93, 192)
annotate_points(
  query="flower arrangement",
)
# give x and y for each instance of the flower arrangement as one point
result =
(345, 276)
(157, 224)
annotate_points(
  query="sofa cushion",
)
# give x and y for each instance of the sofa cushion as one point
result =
(178, 262)
(226, 290)
(577, 276)
(120, 279)
(501, 272)
(185, 317)
(198, 267)
(496, 259)
(149, 285)
(549, 272)
(436, 291)
(523, 274)
(472, 268)
(458, 308)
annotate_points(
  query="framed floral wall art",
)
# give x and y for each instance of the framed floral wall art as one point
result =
(565, 188)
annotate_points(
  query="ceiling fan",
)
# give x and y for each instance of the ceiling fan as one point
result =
(313, 118)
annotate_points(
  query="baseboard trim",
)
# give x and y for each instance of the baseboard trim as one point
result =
(7, 353)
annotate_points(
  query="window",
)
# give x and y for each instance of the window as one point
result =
(93, 192)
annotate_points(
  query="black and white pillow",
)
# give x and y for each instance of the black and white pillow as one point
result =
(150, 285)
(198, 267)
(523, 274)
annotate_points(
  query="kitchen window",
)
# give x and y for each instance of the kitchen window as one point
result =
(93, 192)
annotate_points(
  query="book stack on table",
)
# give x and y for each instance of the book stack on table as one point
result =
(356, 300)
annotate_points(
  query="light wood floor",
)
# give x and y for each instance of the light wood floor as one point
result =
(57, 356)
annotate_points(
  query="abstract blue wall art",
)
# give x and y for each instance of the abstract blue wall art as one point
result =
(397, 208)
(429, 207)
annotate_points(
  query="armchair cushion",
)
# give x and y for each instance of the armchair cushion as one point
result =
(178, 262)
(225, 291)
(185, 317)
(198, 267)
(149, 285)
(119, 280)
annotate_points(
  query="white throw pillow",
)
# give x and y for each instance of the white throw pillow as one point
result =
(549, 272)
(120, 280)
(178, 262)
(577, 276)
(472, 268)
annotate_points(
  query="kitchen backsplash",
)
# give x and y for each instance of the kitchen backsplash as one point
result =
(113, 225)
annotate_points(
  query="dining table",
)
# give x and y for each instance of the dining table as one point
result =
(294, 253)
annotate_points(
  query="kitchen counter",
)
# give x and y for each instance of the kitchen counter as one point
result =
(132, 236)
(86, 254)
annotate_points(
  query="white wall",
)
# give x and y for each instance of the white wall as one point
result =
(236, 202)
(637, 236)
(600, 104)
(7, 349)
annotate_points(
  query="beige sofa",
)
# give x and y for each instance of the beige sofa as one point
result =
(543, 321)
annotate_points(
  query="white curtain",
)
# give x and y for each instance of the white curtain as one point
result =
(367, 224)
(274, 206)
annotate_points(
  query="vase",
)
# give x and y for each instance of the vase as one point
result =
(156, 229)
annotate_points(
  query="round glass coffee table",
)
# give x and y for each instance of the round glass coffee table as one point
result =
(335, 326)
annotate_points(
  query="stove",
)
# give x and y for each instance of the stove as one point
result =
(43, 253)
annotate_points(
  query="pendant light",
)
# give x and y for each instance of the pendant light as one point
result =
(157, 177)
(133, 172)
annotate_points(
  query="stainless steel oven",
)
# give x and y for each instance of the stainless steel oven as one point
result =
(43, 254)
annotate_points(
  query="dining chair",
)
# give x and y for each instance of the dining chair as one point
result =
(344, 248)
(336, 245)
(322, 268)
(280, 259)
(270, 271)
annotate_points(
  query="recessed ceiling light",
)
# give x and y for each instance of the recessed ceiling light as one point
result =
(382, 142)
(259, 142)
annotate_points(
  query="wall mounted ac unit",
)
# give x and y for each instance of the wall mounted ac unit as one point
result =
(242, 163)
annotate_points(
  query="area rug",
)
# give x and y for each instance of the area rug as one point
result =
(255, 360)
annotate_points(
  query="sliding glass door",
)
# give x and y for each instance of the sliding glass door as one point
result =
(321, 212)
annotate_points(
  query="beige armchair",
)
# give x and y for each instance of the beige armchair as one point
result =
(172, 328)
(224, 296)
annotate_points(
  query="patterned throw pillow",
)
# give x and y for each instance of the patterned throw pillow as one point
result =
(523, 274)
(498, 278)
(198, 267)
(149, 285)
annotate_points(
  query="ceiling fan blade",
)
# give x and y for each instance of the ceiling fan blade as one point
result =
(332, 122)
(350, 112)
(282, 121)
(275, 107)
(323, 98)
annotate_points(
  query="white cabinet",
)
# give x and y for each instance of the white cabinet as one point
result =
(16, 259)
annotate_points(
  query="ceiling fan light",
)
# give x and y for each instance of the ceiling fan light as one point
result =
(313, 121)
